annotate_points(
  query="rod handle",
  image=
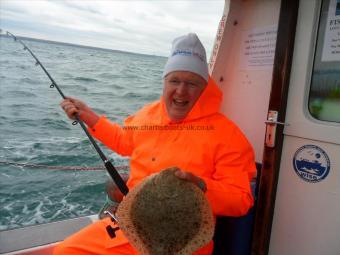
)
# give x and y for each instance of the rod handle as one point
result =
(116, 177)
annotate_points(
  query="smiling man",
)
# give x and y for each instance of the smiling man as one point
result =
(192, 135)
(185, 76)
(181, 91)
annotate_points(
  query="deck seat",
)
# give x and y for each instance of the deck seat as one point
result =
(233, 235)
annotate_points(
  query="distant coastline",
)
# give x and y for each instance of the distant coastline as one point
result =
(78, 45)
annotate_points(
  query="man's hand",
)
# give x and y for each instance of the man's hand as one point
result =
(72, 106)
(113, 191)
(191, 178)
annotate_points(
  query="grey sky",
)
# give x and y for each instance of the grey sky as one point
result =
(138, 26)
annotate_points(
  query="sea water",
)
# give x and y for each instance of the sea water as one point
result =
(34, 129)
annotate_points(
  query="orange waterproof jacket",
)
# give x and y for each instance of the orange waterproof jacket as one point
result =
(205, 143)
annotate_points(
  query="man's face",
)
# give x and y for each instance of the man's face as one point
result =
(181, 91)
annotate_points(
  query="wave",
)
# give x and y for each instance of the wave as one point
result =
(23, 105)
(131, 95)
(28, 80)
(110, 76)
(55, 124)
(115, 86)
(103, 94)
(86, 79)
(24, 122)
(118, 83)
(20, 93)
(78, 87)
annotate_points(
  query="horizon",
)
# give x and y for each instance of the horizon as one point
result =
(73, 44)
(141, 27)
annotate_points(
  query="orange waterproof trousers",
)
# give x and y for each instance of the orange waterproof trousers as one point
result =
(94, 240)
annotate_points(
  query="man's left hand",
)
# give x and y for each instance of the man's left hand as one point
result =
(192, 178)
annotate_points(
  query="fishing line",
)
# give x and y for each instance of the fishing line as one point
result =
(108, 165)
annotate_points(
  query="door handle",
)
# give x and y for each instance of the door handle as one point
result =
(271, 124)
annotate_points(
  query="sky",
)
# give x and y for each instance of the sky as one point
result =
(143, 26)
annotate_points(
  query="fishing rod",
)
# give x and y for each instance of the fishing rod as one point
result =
(108, 165)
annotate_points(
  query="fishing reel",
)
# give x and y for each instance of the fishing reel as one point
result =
(110, 230)
(113, 199)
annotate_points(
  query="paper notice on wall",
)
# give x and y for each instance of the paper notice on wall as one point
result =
(331, 45)
(258, 48)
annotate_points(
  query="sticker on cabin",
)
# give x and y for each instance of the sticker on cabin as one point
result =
(311, 163)
(258, 48)
(218, 40)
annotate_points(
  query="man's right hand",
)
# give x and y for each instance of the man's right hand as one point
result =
(72, 106)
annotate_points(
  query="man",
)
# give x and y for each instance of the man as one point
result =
(184, 129)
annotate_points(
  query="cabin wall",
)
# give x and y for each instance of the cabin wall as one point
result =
(244, 63)
(307, 207)
(306, 214)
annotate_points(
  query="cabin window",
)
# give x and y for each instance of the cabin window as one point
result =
(324, 96)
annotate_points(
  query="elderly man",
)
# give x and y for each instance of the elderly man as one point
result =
(184, 129)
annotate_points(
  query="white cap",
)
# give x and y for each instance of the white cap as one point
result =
(187, 54)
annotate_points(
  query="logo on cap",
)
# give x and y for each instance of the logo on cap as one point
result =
(187, 53)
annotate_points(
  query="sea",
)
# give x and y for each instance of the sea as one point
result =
(39, 146)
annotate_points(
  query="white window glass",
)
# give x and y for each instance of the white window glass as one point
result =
(324, 97)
